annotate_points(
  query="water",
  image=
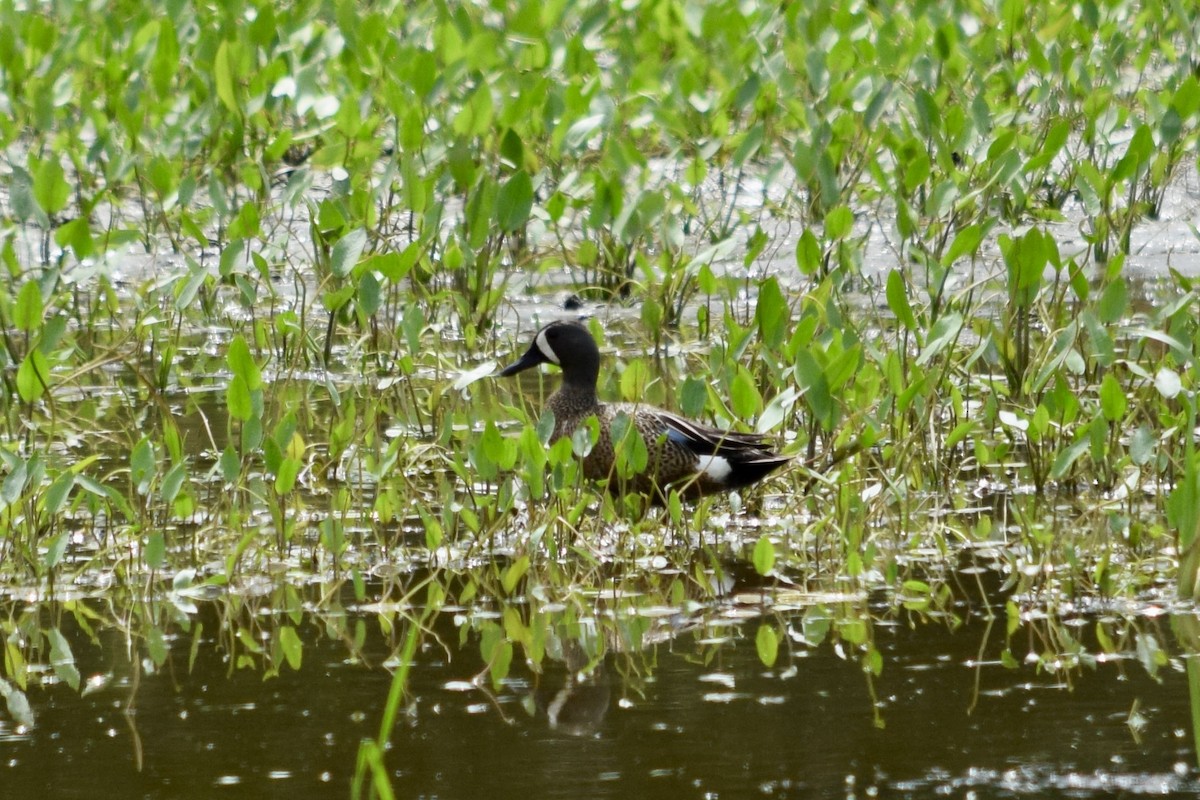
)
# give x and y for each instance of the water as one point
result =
(695, 715)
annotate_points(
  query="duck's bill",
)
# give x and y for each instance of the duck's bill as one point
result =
(533, 356)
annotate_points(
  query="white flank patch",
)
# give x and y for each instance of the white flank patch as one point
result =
(544, 345)
(715, 467)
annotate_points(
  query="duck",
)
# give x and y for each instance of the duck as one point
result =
(683, 455)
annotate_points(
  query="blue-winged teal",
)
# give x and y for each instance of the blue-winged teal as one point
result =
(695, 459)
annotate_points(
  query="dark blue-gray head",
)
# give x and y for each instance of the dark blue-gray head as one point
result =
(567, 344)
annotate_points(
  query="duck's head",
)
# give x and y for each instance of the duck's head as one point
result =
(568, 345)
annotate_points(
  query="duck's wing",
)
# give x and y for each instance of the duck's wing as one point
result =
(708, 441)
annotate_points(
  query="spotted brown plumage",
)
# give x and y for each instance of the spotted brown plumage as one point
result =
(693, 458)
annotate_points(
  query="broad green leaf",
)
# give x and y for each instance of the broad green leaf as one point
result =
(808, 253)
(156, 550)
(237, 399)
(1113, 403)
(743, 395)
(143, 466)
(766, 642)
(285, 478)
(370, 298)
(50, 187)
(27, 314)
(514, 202)
(56, 548)
(241, 363)
(172, 482)
(292, 647)
(1112, 303)
(771, 313)
(693, 395)
(223, 77)
(62, 659)
(32, 376)
(1068, 456)
(346, 252)
(897, 298)
(816, 388)
(839, 222)
(56, 496)
(764, 555)
(966, 243)
(943, 333)
(513, 573)
(156, 645)
(14, 484)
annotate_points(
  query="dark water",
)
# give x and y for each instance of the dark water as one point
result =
(691, 717)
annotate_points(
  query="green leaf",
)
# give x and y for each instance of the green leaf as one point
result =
(743, 395)
(56, 496)
(27, 314)
(56, 548)
(839, 222)
(766, 642)
(1113, 402)
(242, 364)
(156, 645)
(771, 313)
(816, 388)
(764, 555)
(966, 243)
(14, 484)
(223, 77)
(943, 333)
(62, 659)
(25, 207)
(1142, 445)
(370, 298)
(285, 478)
(1067, 457)
(1112, 303)
(50, 187)
(808, 253)
(143, 466)
(897, 298)
(346, 252)
(77, 235)
(231, 465)
(156, 550)
(32, 376)
(513, 574)
(693, 395)
(292, 647)
(514, 202)
(237, 399)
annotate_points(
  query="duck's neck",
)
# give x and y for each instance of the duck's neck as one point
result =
(580, 377)
(576, 395)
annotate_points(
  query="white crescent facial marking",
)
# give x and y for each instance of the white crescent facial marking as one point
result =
(543, 344)
(717, 468)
